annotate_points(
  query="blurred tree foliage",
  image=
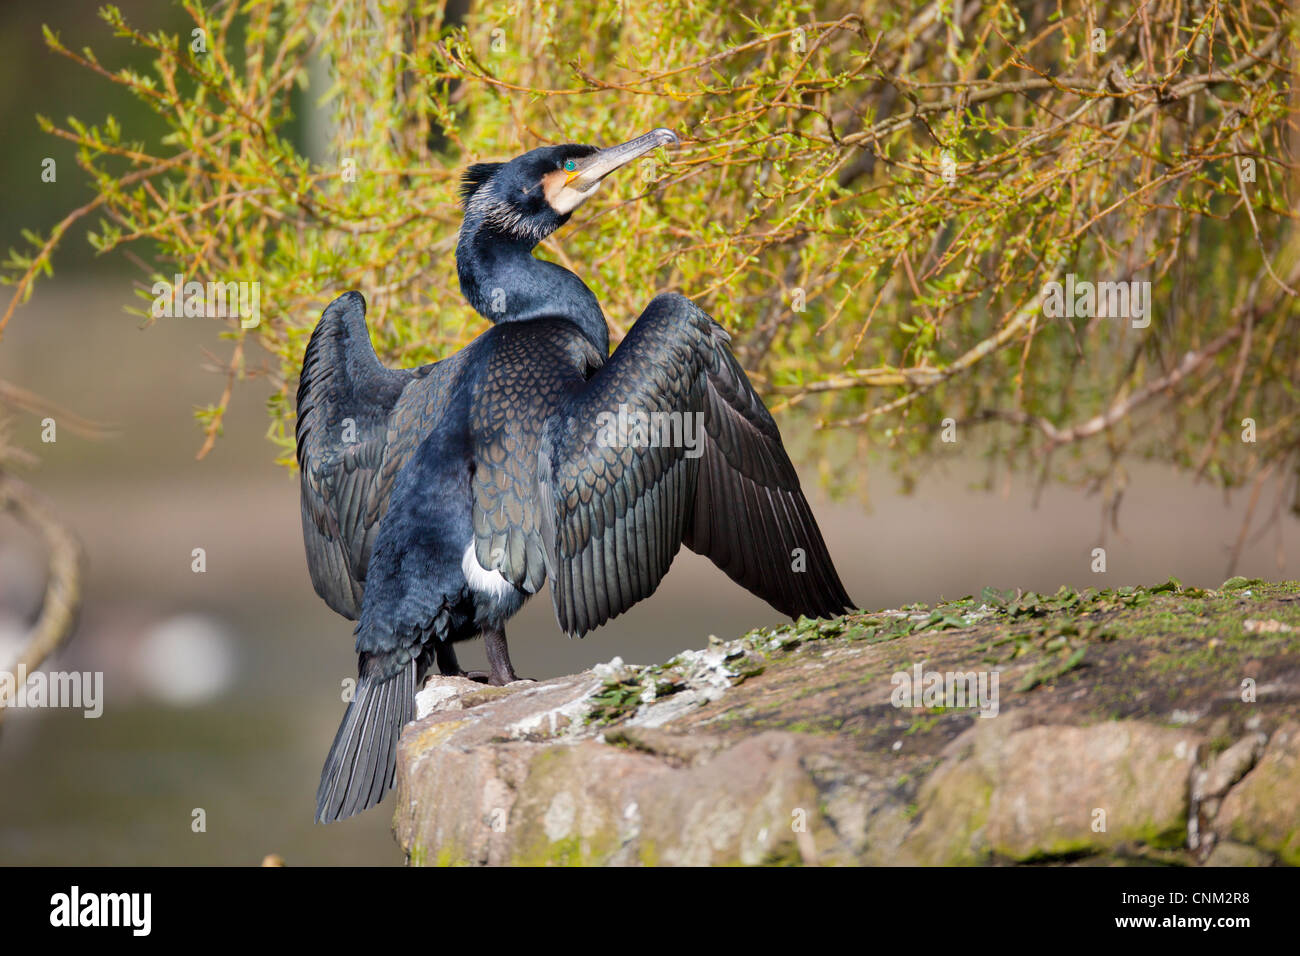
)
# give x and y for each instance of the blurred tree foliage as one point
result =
(871, 199)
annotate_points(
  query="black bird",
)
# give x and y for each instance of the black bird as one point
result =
(436, 500)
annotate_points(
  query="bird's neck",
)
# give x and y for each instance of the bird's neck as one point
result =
(505, 282)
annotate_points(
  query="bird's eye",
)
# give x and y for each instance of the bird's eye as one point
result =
(570, 165)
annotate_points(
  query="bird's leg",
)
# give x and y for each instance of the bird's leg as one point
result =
(494, 641)
(449, 666)
(445, 657)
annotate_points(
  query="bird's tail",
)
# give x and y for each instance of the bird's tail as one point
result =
(362, 762)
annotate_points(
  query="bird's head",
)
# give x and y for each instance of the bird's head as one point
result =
(531, 196)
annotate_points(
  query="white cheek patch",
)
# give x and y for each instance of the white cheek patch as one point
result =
(482, 580)
(564, 198)
(570, 199)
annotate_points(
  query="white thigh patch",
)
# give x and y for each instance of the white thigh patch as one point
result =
(480, 578)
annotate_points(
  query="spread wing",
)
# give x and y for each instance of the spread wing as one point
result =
(669, 444)
(358, 423)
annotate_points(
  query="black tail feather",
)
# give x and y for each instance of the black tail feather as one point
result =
(363, 760)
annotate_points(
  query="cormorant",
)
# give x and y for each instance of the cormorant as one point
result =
(436, 500)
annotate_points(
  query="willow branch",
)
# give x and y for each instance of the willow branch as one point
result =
(64, 577)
